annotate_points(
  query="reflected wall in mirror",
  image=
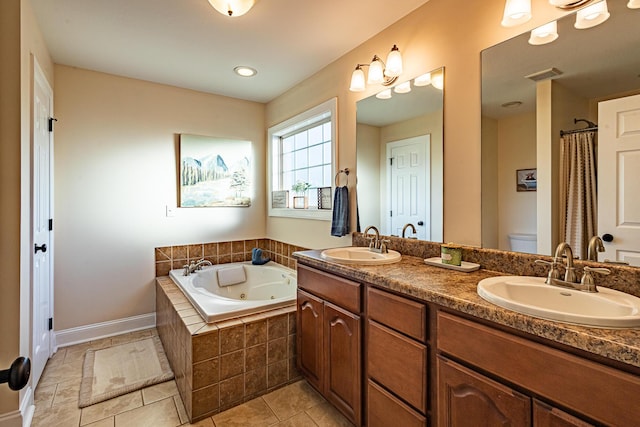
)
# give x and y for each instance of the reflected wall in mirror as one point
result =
(529, 94)
(399, 147)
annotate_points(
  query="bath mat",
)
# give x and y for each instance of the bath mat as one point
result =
(123, 368)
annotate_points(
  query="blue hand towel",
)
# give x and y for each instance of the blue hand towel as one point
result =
(340, 222)
(257, 258)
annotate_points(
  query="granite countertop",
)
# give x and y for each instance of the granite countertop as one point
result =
(457, 290)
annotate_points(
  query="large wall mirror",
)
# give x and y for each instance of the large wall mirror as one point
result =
(399, 158)
(532, 93)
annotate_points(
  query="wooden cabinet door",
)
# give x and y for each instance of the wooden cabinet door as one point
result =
(342, 346)
(309, 338)
(548, 416)
(468, 399)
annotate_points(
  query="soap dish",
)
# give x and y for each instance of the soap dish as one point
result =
(465, 266)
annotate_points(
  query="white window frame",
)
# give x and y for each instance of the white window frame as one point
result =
(273, 136)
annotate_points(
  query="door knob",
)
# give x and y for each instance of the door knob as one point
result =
(607, 237)
(42, 248)
(18, 374)
(420, 223)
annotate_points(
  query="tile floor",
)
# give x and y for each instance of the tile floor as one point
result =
(56, 399)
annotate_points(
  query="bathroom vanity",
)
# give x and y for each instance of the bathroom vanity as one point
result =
(414, 345)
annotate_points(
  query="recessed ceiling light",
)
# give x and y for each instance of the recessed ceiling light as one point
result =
(245, 71)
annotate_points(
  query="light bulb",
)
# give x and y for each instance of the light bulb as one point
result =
(233, 8)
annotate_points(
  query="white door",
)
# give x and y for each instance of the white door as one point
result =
(41, 192)
(618, 178)
(409, 187)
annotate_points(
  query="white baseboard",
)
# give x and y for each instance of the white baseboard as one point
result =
(27, 407)
(96, 331)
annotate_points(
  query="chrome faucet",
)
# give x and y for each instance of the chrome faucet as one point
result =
(375, 243)
(595, 246)
(195, 266)
(411, 226)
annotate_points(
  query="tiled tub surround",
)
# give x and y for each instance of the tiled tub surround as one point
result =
(457, 291)
(174, 257)
(220, 365)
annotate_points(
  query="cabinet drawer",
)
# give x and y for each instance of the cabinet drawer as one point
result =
(398, 363)
(597, 391)
(384, 410)
(342, 292)
(401, 314)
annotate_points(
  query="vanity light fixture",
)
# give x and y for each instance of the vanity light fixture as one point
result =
(423, 80)
(233, 8)
(437, 80)
(385, 94)
(633, 4)
(403, 87)
(544, 34)
(518, 12)
(244, 71)
(592, 15)
(379, 72)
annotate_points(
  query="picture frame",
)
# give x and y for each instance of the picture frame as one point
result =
(324, 198)
(280, 199)
(526, 179)
(214, 172)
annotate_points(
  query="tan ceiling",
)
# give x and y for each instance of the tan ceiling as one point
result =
(186, 43)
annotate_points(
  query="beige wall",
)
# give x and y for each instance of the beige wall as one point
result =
(449, 33)
(115, 173)
(369, 171)
(516, 150)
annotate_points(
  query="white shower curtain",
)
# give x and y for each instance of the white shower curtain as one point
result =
(578, 199)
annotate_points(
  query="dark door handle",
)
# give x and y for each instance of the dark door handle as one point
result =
(420, 223)
(42, 248)
(607, 237)
(18, 374)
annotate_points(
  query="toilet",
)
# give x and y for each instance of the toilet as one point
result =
(524, 242)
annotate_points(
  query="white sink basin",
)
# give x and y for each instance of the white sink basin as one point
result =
(607, 308)
(360, 255)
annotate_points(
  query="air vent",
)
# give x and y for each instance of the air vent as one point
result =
(544, 74)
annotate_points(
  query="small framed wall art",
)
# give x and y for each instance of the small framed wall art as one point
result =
(324, 198)
(526, 180)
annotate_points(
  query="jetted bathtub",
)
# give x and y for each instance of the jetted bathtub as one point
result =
(266, 287)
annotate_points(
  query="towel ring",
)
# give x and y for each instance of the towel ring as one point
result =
(342, 171)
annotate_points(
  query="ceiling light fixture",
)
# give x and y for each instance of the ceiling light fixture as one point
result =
(379, 72)
(245, 71)
(233, 8)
